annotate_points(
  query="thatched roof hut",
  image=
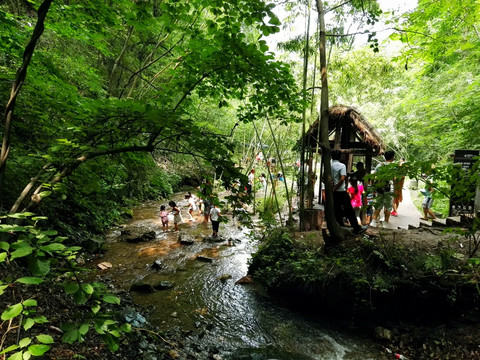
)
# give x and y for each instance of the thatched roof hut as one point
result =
(351, 133)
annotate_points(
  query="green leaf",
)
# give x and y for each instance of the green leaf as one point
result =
(275, 21)
(126, 328)
(83, 329)
(111, 341)
(21, 252)
(40, 319)
(71, 287)
(38, 350)
(95, 308)
(98, 326)
(30, 302)
(80, 297)
(45, 339)
(44, 194)
(2, 288)
(74, 248)
(27, 355)
(49, 232)
(36, 218)
(28, 323)
(12, 311)
(3, 256)
(16, 356)
(30, 280)
(39, 267)
(10, 348)
(4, 245)
(25, 342)
(87, 288)
(115, 333)
(21, 215)
(12, 228)
(53, 247)
(111, 299)
(70, 336)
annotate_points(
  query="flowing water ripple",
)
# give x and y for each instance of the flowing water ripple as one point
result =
(239, 320)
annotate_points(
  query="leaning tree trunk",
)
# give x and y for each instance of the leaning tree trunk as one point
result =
(336, 232)
(16, 86)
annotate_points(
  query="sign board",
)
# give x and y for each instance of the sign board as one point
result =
(466, 158)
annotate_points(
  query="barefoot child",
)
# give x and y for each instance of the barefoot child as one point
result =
(164, 217)
(177, 217)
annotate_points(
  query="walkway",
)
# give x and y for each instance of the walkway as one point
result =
(408, 214)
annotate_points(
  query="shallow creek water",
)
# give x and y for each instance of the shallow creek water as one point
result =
(239, 320)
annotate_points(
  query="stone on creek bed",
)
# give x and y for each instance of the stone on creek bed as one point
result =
(185, 240)
(158, 265)
(204, 258)
(214, 239)
(137, 235)
(163, 285)
(142, 287)
(149, 288)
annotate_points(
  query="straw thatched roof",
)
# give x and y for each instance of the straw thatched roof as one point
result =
(354, 124)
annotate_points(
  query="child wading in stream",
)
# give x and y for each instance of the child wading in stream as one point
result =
(164, 217)
(177, 217)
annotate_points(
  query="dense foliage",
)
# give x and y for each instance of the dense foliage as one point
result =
(116, 102)
(109, 103)
(114, 89)
(362, 281)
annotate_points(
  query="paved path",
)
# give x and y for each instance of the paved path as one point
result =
(408, 214)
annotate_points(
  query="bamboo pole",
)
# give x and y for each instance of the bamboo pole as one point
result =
(304, 115)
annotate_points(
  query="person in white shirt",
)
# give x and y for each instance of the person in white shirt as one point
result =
(192, 204)
(263, 181)
(215, 215)
(251, 181)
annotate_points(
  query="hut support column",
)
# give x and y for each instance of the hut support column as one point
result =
(368, 163)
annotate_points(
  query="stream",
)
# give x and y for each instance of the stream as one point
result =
(238, 321)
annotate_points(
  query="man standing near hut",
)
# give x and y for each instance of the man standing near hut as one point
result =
(341, 199)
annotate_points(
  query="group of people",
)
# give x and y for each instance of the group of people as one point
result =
(204, 206)
(263, 180)
(361, 201)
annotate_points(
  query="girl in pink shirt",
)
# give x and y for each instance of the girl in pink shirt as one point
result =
(355, 190)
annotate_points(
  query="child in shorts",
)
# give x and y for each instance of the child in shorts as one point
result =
(427, 203)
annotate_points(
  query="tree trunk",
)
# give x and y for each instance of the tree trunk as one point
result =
(16, 86)
(336, 232)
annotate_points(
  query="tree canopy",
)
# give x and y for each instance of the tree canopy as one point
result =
(110, 78)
